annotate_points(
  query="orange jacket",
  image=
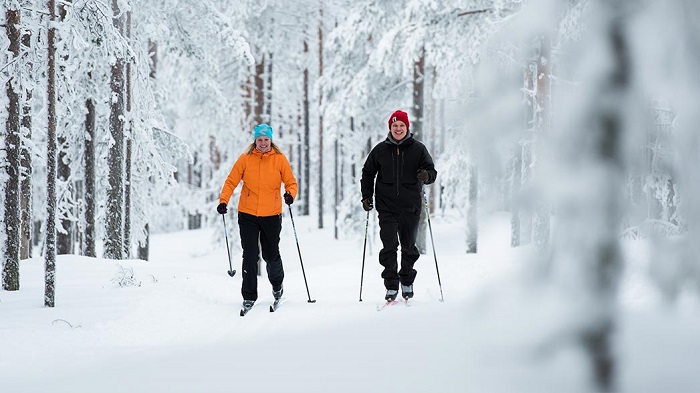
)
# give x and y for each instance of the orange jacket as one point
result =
(262, 176)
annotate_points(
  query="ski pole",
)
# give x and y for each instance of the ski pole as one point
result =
(298, 249)
(231, 272)
(364, 249)
(432, 241)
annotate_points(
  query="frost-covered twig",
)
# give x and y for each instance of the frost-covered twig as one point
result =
(125, 278)
(68, 323)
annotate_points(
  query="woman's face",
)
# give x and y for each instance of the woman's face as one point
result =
(263, 144)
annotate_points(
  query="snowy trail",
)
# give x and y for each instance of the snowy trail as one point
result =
(185, 314)
(180, 330)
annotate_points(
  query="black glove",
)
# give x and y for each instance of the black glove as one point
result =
(367, 204)
(422, 175)
(221, 208)
(288, 198)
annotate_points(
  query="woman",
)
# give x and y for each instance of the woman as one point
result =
(263, 169)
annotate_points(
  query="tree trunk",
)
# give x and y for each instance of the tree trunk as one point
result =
(299, 159)
(603, 268)
(353, 166)
(89, 153)
(12, 223)
(526, 175)
(418, 97)
(515, 188)
(431, 134)
(142, 249)
(336, 186)
(417, 130)
(268, 91)
(127, 193)
(194, 179)
(50, 243)
(247, 92)
(114, 241)
(320, 118)
(80, 207)
(127, 163)
(541, 213)
(259, 91)
(307, 133)
(64, 237)
(143, 246)
(472, 217)
(587, 259)
(25, 250)
(153, 55)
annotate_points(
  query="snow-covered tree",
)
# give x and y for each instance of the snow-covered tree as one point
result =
(51, 153)
(114, 230)
(10, 156)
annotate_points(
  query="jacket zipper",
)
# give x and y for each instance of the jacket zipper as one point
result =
(257, 208)
(398, 169)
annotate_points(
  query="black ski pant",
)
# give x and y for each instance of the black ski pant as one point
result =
(266, 230)
(395, 229)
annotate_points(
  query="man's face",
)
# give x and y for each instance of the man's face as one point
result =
(398, 130)
(263, 144)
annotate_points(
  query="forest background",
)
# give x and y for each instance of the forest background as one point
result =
(578, 117)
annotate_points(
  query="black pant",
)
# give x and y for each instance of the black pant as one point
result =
(267, 231)
(395, 229)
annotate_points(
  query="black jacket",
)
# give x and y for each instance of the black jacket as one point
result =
(395, 165)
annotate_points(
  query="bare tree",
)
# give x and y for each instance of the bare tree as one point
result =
(10, 248)
(50, 243)
(64, 237)
(587, 256)
(515, 169)
(89, 157)
(305, 161)
(114, 216)
(143, 247)
(128, 142)
(606, 262)
(472, 205)
(268, 89)
(418, 133)
(26, 164)
(320, 118)
(259, 91)
(541, 214)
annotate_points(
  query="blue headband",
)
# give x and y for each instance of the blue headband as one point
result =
(263, 130)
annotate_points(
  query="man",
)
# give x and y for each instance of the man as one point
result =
(401, 166)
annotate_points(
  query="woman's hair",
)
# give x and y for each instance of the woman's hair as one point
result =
(272, 145)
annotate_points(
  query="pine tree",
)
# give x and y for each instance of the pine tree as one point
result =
(50, 242)
(64, 236)
(12, 223)
(114, 231)
(90, 195)
(26, 163)
(320, 119)
(128, 149)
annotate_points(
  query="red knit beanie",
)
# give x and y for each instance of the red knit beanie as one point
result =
(399, 116)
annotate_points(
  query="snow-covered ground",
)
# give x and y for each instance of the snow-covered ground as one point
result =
(179, 331)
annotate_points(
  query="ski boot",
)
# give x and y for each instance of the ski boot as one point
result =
(407, 291)
(391, 295)
(277, 294)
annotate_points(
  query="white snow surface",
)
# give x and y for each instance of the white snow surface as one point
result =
(498, 330)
